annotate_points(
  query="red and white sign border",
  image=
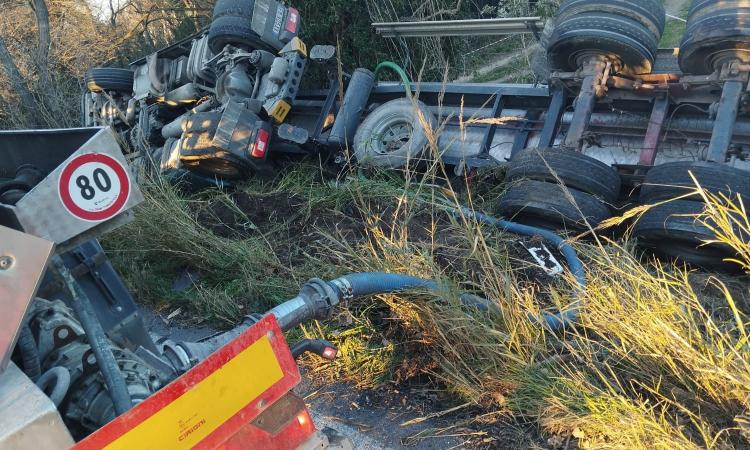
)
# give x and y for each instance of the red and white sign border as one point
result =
(94, 216)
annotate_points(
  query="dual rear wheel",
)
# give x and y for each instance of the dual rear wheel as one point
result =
(680, 229)
(626, 33)
(559, 188)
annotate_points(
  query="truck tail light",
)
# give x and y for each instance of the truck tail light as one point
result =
(330, 353)
(261, 144)
(292, 20)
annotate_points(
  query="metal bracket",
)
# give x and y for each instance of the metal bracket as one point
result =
(552, 117)
(654, 131)
(23, 260)
(489, 134)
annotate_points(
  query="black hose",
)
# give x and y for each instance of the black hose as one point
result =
(29, 353)
(105, 359)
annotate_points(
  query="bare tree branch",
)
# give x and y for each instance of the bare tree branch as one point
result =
(17, 82)
(441, 12)
(42, 23)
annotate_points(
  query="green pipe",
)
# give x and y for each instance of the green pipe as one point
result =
(396, 68)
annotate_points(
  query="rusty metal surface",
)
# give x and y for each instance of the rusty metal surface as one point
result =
(23, 260)
(654, 131)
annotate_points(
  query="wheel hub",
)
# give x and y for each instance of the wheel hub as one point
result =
(393, 137)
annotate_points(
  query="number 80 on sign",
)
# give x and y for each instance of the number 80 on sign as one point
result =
(94, 187)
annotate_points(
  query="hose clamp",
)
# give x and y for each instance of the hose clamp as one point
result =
(345, 287)
(180, 359)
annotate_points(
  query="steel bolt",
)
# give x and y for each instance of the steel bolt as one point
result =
(6, 262)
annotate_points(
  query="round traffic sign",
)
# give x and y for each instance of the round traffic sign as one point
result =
(94, 187)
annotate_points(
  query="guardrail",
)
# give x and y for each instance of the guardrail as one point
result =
(472, 27)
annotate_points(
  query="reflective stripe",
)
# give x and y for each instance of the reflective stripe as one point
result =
(194, 415)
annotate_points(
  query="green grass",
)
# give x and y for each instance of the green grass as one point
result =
(517, 70)
(674, 29)
(234, 275)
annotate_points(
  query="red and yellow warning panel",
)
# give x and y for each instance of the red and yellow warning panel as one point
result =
(217, 404)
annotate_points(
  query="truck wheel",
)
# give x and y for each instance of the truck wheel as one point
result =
(672, 231)
(393, 134)
(650, 13)
(197, 153)
(716, 32)
(670, 180)
(101, 79)
(575, 169)
(540, 65)
(547, 205)
(231, 24)
(626, 32)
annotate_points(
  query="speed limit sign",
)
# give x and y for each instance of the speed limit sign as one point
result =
(94, 187)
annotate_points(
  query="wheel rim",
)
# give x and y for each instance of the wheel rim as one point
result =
(392, 136)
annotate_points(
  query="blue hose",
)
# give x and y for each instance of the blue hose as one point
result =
(562, 319)
(365, 284)
(371, 283)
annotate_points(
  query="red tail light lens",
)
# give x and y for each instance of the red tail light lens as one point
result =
(330, 353)
(261, 144)
(292, 20)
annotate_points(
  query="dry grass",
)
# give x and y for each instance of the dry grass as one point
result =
(650, 366)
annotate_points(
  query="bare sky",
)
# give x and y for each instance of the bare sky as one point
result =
(102, 6)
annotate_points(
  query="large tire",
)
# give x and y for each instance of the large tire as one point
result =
(670, 180)
(649, 13)
(393, 134)
(717, 32)
(231, 25)
(575, 169)
(540, 65)
(547, 205)
(624, 31)
(671, 231)
(101, 79)
(197, 153)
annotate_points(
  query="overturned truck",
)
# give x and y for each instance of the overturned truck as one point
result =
(617, 120)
